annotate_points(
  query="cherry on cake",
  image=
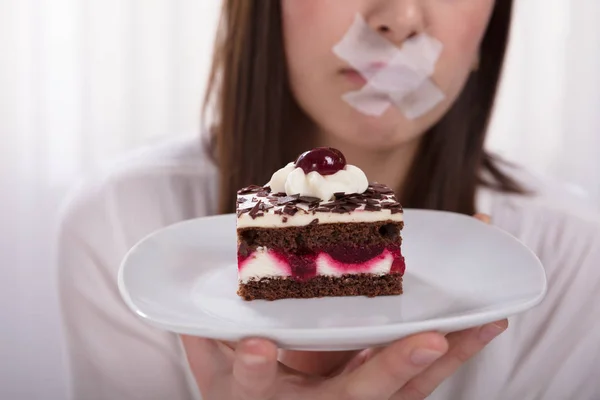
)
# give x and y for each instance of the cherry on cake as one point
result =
(319, 229)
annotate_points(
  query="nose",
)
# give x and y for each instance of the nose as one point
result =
(397, 20)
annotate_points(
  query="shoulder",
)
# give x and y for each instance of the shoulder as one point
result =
(557, 221)
(150, 188)
(562, 227)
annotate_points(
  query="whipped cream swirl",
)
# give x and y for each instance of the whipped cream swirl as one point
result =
(292, 180)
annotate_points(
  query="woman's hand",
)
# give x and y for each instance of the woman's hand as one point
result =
(410, 368)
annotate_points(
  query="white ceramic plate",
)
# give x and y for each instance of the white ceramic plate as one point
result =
(460, 273)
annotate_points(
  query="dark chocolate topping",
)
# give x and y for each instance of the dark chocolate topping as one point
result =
(251, 189)
(375, 198)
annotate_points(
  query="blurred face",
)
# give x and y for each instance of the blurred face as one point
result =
(319, 78)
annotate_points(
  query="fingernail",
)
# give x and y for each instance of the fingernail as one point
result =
(489, 332)
(424, 356)
(252, 359)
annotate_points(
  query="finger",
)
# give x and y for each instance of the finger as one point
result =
(255, 369)
(317, 363)
(484, 218)
(463, 346)
(207, 359)
(356, 362)
(390, 369)
(231, 345)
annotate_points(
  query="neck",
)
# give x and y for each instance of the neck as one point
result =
(388, 166)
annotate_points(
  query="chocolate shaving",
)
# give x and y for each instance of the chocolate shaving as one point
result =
(254, 211)
(284, 220)
(357, 201)
(243, 211)
(382, 189)
(290, 210)
(309, 199)
(370, 207)
(265, 206)
(278, 212)
(241, 200)
(251, 189)
(314, 221)
(287, 200)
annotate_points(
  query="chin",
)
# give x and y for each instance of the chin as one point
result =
(390, 129)
(374, 135)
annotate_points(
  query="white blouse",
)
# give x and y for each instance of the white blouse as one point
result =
(551, 352)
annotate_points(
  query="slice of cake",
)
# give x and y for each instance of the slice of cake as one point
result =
(317, 229)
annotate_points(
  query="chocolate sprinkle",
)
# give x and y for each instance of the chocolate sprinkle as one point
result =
(284, 219)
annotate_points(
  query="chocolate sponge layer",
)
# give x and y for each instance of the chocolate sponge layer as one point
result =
(322, 286)
(316, 236)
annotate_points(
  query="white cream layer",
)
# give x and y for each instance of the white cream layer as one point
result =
(262, 264)
(304, 217)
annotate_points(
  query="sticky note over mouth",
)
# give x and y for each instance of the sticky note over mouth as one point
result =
(396, 76)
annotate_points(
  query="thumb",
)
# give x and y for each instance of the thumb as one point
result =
(255, 369)
(208, 359)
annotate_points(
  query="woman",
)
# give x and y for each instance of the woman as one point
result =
(276, 90)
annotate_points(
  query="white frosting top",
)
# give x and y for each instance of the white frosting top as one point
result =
(271, 218)
(292, 180)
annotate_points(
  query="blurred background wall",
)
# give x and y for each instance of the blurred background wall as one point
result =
(84, 81)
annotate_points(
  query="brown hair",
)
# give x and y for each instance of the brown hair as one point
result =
(257, 122)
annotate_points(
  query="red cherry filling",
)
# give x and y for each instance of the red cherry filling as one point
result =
(324, 160)
(303, 265)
